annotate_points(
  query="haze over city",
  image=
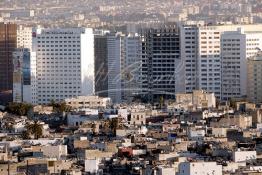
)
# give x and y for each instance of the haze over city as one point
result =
(130, 87)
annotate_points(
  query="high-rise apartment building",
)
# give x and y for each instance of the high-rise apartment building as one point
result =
(24, 64)
(131, 67)
(24, 76)
(115, 63)
(65, 63)
(214, 58)
(254, 78)
(117, 66)
(101, 66)
(189, 47)
(160, 61)
(8, 43)
(209, 61)
(24, 37)
(236, 47)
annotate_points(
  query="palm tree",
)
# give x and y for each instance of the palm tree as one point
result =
(35, 129)
(161, 101)
(25, 135)
(9, 126)
(60, 107)
(106, 126)
(93, 128)
(113, 125)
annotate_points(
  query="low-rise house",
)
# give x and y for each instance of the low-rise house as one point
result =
(55, 151)
(219, 132)
(199, 99)
(244, 156)
(170, 127)
(182, 146)
(7, 169)
(60, 166)
(240, 121)
(167, 156)
(97, 154)
(124, 132)
(79, 118)
(256, 116)
(19, 125)
(232, 167)
(81, 144)
(92, 102)
(4, 157)
(165, 170)
(92, 165)
(138, 118)
(40, 109)
(203, 168)
(196, 134)
(138, 152)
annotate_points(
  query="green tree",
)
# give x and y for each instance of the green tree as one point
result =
(59, 107)
(18, 108)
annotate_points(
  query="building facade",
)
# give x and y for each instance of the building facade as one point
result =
(214, 58)
(131, 67)
(24, 76)
(254, 78)
(8, 44)
(236, 47)
(115, 64)
(65, 63)
(160, 59)
(209, 62)
(88, 102)
(188, 68)
(24, 37)
(203, 168)
(101, 65)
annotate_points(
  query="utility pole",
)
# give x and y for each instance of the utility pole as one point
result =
(27, 172)
(8, 167)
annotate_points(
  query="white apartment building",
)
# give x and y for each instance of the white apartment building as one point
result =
(188, 38)
(24, 37)
(203, 168)
(65, 63)
(209, 66)
(209, 63)
(200, 56)
(236, 47)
